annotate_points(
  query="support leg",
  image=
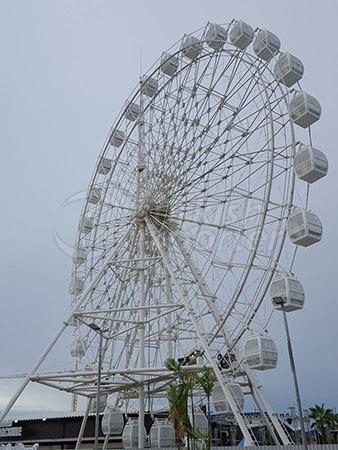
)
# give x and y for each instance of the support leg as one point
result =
(295, 380)
(61, 329)
(169, 298)
(141, 358)
(262, 402)
(248, 435)
(106, 441)
(83, 424)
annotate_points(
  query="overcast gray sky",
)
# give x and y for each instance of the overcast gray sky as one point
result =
(67, 66)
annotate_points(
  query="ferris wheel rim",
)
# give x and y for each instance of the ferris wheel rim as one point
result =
(137, 92)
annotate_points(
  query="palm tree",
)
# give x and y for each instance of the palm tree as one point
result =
(335, 424)
(177, 397)
(324, 421)
(331, 424)
(191, 382)
(317, 413)
(178, 393)
(207, 380)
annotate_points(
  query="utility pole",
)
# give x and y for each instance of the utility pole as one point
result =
(294, 373)
(98, 330)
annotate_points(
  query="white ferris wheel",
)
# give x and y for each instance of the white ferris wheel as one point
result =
(192, 219)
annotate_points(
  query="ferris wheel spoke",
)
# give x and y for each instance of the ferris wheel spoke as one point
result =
(230, 264)
(212, 225)
(204, 251)
(260, 166)
(256, 113)
(186, 133)
(191, 182)
(117, 222)
(242, 81)
(241, 181)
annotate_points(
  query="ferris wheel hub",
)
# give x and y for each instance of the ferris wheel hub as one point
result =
(141, 214)
(158, 211)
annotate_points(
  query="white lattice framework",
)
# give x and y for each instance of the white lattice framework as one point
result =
(188, 228)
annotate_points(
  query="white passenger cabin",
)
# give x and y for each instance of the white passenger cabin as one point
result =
(191, 47)
(130, 434)
(260, 352)
(132, 112)
(304, 110)
(288, 69)
(117, 138)
(86, 225)
(112, 421)
(162, 434)
(200, 420)
(104, 166)
(102, 403)
(169, 64)
(94, 195)
(287, 289)
(220, 402)
(78, 347)
(216, 36)
(150, 87)
(79, 255)
(241, 34)
(76, 285)
(304, 227)
(310, 164)
(266, 45)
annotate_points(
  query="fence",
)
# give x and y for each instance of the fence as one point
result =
(19, 446)
(263, 447)
(282, 447)
(260, 447)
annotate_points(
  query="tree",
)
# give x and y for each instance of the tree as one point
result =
(330, 418)
(191, 431)
(207, 380)
(335, 424)
(324, 421)
(178, 393)
(178, 406)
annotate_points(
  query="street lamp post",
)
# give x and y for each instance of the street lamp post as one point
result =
(280, 302)
(98, 330)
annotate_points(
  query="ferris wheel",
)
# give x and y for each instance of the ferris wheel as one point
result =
(192, 219)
